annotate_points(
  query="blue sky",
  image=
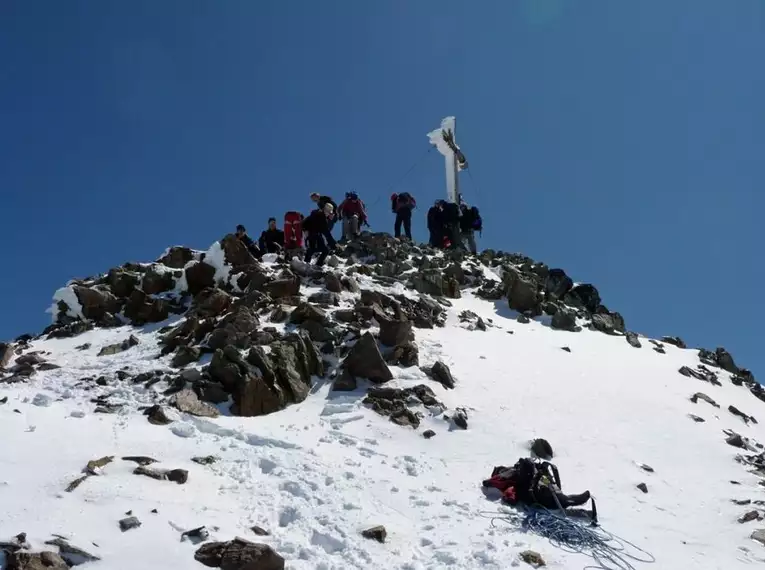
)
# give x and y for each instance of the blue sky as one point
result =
(622, 141)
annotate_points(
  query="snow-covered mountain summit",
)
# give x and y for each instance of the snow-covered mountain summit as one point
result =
(345, 418)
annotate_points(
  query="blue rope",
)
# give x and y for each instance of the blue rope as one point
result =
(608, 551)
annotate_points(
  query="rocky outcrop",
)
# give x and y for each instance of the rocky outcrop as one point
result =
(141, 308)
(176, 257)
(236, 329)
(97, 305)
(607, 322)
(157, 280)
(395, 332)
(557, 284)
(211, 302)
(393, 403)
(199, 275)
(584, 296)
(522, 292)
(239, 554)
(286, 287)
(565, 320)
(365, 361)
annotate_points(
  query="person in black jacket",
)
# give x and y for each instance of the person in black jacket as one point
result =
(436, 224)
(451, 219)
(321, 202)
(402, 205)
(316, 227)
(252, 247)
(272, 240)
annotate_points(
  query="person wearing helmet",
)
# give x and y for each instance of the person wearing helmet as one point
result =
(354, 214)
(402, 205)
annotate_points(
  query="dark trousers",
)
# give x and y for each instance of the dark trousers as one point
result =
(403, 216)
(316, 244)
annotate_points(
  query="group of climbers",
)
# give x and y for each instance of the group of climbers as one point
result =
(451, 226)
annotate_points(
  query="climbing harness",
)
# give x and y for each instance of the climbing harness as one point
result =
(608, 551)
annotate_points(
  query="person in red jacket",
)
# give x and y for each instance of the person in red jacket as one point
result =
(354, 215)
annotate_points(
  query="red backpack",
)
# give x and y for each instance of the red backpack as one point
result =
(293, 230)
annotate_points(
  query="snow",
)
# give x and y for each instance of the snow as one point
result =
(318, 473)
(216, 257)
(68, 296)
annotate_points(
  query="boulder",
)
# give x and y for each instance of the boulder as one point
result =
(533, 559)
(236, 329)
(212, 392)
(633, 339)
(317, 331)
(142, 308)
(188, 402)
(701, 396)
(157, 281)
(350, 284)
(542, 448)
(585, 296)
(239, 554)
(325, 298)
(69, 330)
(440, 373)
(176, 257)
(21, 560)
(607, 322)
(185, 355)
(236, 253)
(6, 352)
(522, 292)
(377, 533)
(557, 284)
(198, 276)
(405, 355)
(288, 287)
(394, 332)
(252, 278)
(307, 312)
(211, 302)
(122, 282)
(564, 320)
(674, 340)
(126, 344)
(96, 304)
(430, 282)
(759, 536)
(365, 361)
(345, 382)
(333, 283)
(725, 361)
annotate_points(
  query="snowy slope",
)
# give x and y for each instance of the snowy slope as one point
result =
(319, 472)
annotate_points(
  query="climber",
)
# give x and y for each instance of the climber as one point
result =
(322, 201)
(354, 215)
(272, 239)
(470, 222)
(436, 224)
(318, 238)
(252, 247)
(451, 224)
(534, 483)
(402, 205)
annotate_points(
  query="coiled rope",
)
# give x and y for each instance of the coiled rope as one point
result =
(608, 551)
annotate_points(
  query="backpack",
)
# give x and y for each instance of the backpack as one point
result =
(293, 231)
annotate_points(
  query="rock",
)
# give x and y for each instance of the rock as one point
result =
(85, 346)
(324, 298)
(212, 392)
(30, 359)
(542, 448)
(95, 466)
(333, 283)
(184, 356)
(633, 340)
(95, 303)
(428, 281)
(156, 281)
(749, 517)
(6, 352)
(199, 275)
(236, 253)
(701, 396)
(696, 419)
(207, 460)
(307, 312)
(42, 401)
(158, 416)
(365, 361)
(523, 319)
(345, 382)
(643, 487)
(646, 468)
(139, 459)
(239, 554)
(736, 412)
(196, 535)
(76, 483)
(584, 296)
(72, 555)
(179, 476)
(725, 361)
(236, 329)
(564, 320)
(289, 287)
(532, 558)
(350, 284)
(557, 284)
(566, 348)
(607, 322)
(176, 257)
(142, 308)
(759, 536)
(736, 441)
(404, 355)
(68, 331)
(211, 302)
(394, 332)
(345, 316)
(188, 402)
(48, 366)
(21, 560)
(259, 531)
(377, 533)
(129, 523)
(317, 331)
(522, 292)
(427, 434)
(126, 344)
(674, 340)
(460, 418)
(440, 373)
